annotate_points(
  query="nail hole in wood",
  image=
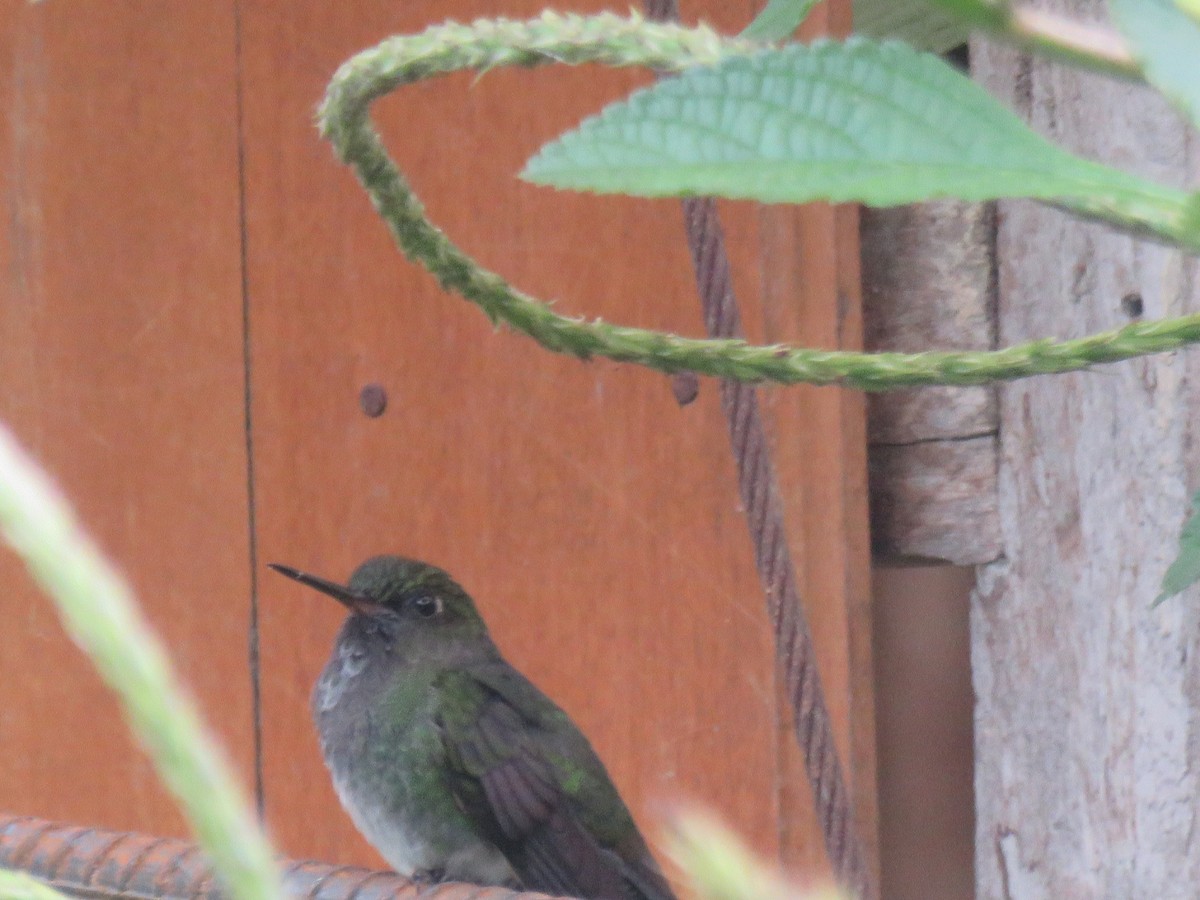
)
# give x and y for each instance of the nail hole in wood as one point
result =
(373, 400)
(1132, 305)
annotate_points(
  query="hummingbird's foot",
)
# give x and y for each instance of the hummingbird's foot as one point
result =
(428, 876)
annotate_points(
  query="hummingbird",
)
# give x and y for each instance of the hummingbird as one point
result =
(451, 762)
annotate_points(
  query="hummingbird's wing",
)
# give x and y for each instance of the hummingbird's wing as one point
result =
(528, 778)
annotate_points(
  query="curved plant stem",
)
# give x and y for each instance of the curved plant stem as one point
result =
(1086, 46)
(612, 40)
(1080, 44)
(98, 611)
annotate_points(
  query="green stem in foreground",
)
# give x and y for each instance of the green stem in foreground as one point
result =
(1085, 46)
(1080, 44)
(98, 611)
(344, 120)
(721, 867)
(19, 886)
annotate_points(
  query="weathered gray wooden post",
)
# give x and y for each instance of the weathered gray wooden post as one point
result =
(1088, 713)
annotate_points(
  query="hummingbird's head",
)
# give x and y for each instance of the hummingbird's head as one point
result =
(401, 598)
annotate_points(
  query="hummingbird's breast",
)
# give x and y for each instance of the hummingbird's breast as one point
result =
(376, 719)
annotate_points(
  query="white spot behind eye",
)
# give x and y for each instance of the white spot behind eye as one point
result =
(422, 606)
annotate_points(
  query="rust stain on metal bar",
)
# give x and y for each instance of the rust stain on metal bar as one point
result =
(93, 863)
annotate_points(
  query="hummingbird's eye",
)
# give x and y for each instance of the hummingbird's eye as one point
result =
(427, 606)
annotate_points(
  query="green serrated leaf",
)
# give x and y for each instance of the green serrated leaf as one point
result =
(778, 20)
(1185, 570)
(1167, 42)
(915, 22)
(985, 13)
(876, 123)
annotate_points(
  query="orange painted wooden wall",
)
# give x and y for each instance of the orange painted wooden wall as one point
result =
(194, 295)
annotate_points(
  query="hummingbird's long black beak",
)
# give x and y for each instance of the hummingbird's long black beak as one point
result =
(358, 603)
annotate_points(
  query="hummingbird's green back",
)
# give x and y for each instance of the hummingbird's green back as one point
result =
(539, 790)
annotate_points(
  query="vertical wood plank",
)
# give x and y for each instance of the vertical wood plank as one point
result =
(812, 296)
(819, 446)
(122, 372)
(594, 520)
(1086, 776)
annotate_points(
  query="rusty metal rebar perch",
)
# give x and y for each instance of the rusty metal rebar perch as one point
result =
(92, 862)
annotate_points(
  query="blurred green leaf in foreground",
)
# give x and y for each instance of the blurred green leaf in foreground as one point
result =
(720, 867)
